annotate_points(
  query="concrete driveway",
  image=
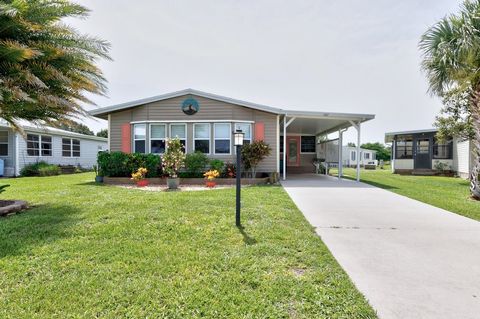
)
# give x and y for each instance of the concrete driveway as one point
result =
(410, 259)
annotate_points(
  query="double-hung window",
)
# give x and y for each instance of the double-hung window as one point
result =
(354, 155)
(222, 135)
(246, 128)
(367, 155)
(201, 137)
(179, 131)
(39, 145)
(139, 136)
(307, 144)
(70, 147)
(3, 143)
(158, 133)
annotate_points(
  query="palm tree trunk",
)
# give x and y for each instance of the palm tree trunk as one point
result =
(475, 173)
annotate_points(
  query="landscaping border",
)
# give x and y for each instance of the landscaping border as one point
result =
(186, 181)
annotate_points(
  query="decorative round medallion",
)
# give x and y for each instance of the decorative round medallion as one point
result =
(190, 106)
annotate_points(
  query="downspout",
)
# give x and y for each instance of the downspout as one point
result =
(17, 156)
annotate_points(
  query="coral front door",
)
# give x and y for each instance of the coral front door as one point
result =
(293, 150)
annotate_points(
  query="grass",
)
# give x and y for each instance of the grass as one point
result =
(448, 193)
(89, 251)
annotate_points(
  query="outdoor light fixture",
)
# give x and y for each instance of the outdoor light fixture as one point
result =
(238, 142)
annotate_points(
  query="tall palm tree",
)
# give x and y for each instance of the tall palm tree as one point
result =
(46, 67)
(451, 61)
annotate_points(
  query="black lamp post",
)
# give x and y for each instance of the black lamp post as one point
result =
(238, 142)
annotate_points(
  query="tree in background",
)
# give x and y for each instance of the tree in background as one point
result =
(351, 144)
(73, 126)
(103, 133)
(383, 152)
(451, 61)
(46, 67)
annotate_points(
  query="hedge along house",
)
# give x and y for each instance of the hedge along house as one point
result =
(419, 152)
(205, 122)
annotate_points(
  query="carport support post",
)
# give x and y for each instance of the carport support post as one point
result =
(340, 155)
(285, 125)
(358, 151)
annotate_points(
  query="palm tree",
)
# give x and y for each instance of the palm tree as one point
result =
(451, 61)
(46, 67)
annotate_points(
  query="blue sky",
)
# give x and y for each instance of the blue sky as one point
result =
(338, 56)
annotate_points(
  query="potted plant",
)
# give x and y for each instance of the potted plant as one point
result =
(173, 160)
(210, 178)
(98, 174)
(139, 177)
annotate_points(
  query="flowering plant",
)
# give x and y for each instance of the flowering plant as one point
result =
(211, 174)
(139, 174)
(174, 158)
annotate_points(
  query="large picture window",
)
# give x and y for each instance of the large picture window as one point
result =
(404, 148)
(307, 144)
(39, 145)
(443, 150)
(179, 131)
(70, 147)
(139, 136)
(158, 133)
(201, 137)
(222, 135)
(3, 143)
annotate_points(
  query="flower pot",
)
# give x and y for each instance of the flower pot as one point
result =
(172, 183)
(142, 183)
(98, 179)
(210, 184)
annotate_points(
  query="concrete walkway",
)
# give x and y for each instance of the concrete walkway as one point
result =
(410, 259)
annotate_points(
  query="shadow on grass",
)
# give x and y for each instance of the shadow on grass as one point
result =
(246, 238)
(34, 227)
(91, 184)
(376, 184)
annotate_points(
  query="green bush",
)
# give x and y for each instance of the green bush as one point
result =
(40, 169)
(217, 165)
(119, 164)
(195, 164)
(253, 154)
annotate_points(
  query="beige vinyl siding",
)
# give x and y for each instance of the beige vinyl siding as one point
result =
(169, 110)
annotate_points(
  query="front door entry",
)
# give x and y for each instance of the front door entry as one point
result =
(422, 153)
(293, 150)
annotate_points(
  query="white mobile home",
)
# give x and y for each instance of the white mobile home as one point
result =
(350, 156)
(52, 145)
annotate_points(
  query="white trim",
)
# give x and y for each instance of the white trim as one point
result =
(139, 139)
(109, 130)
(278, 144)
(71, 147)
(17, 155)
(191, 121)
(203, 139)
(165, 125)
(181, 139)
(39, 145)
(224, 139)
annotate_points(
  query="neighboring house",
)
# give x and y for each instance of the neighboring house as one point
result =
(420, 151)
(350, 156)
(47, 144)
(204, 122)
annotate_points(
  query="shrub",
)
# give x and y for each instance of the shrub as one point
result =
(40, 169)
(174, 158)
(195, 164)
(119, 164)
(216, 165)
(230, 171)
(253, 154)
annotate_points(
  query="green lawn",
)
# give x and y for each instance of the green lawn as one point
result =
(445, 192)
(105, 252)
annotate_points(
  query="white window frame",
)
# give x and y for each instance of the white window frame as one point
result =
(203, 139)
(181, 139)
(8, 138)
(150, 139)
(140, 139)
(314, 144)
(365, 155)
(71, 147)
(40, 149)
(224, 139)
(248, 139)
(353, 155)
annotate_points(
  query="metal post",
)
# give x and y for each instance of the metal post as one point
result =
(392, 159)
(285, 147)
(239, 186)
(340, 154)
(358, 152)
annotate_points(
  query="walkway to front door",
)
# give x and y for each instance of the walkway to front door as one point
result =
(410, 259)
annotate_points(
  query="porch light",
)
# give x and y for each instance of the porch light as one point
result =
(238, 138)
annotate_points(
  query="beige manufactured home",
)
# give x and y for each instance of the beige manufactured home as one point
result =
(204, 122)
